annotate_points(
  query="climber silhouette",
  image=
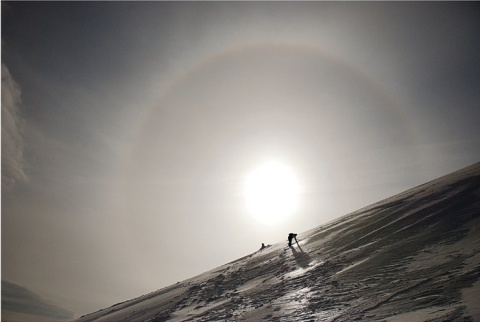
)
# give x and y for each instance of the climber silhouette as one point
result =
(290, 237)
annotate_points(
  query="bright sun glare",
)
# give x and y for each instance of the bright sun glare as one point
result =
(272, 192)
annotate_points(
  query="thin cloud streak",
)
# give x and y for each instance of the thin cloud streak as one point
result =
(13, 125)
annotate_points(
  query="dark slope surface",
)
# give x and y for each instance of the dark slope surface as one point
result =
(414, 256)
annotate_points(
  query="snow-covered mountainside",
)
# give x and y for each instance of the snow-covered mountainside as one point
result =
(414, 256)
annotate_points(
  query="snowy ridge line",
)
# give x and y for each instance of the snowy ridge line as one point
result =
(412, 256)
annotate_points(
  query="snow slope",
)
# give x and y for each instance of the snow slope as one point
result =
(414, 256)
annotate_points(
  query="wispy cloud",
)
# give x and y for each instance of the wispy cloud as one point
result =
(13, 166)
(16, 298)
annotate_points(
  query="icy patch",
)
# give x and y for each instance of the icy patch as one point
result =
(300, 271)
(294, 301)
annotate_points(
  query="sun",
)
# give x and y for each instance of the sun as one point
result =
(272, 192)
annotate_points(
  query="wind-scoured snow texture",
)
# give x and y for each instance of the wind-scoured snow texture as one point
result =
(414, 256)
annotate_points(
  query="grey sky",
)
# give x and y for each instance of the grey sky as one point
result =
(128, 128)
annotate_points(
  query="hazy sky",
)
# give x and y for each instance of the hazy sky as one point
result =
(128, 129)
